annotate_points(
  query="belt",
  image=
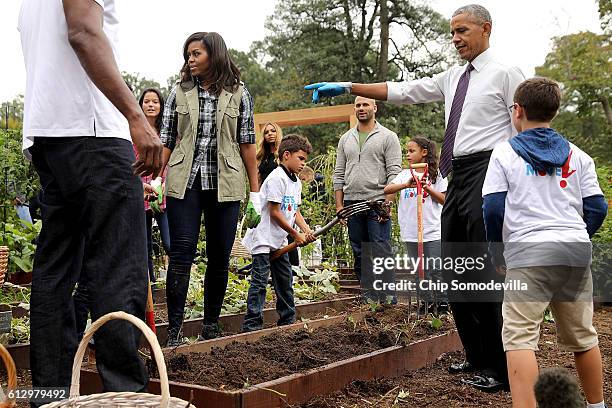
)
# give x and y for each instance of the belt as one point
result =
(463, 161)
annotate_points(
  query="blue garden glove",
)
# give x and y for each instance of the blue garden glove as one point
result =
(328, 89)
(253, 210)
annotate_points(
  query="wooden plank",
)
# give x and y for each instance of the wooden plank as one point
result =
(389, 362)
(308, 116)
(298, 388)
(199, 396)
(207, 345)
(233, 322)
(20, 354)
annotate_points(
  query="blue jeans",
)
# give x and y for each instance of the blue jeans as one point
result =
(282, 277)
(184, 219)
(431, 250)
(162, 223)
(93, 229)
(365, 229)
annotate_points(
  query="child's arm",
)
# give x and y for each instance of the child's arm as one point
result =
(594, 209)
(277, 217)
(493, 209)
(394, 187)
(301, 222)
(435, 195)
(400, 182)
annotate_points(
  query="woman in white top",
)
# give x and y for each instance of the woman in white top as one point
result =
(422, 150)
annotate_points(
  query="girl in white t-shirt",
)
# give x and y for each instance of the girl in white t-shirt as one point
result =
(422, 150)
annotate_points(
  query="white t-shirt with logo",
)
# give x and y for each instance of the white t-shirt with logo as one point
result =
(407, 209)
(60, 99)
(540, 207)
(268, 235)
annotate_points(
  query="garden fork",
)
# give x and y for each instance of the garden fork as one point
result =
(381, 208)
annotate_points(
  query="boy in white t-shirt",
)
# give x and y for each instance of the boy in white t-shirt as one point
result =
(542, 199)
(422, 150)
(281, 194)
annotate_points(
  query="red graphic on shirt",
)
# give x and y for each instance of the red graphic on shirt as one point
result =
(566, 171)
(289, 208)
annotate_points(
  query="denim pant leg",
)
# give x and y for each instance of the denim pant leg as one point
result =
(184, 218)
(149, 223)
(358, 233)
(283, 287)
(220, 221)
(379, 238)
(164, 231)
(91, 200)
(431, 251)
(256, 298)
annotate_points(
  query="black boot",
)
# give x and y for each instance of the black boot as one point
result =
(175, 338)
(210, 331)
(177, 284)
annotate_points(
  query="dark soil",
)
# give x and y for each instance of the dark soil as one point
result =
(431, 386)
(435, 387)
(239, 365)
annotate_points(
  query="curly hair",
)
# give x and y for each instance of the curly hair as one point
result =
(432, 155)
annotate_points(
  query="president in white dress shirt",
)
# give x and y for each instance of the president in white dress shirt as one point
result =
(477, 97)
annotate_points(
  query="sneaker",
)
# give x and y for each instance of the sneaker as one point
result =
(174, 338)
(210, 331)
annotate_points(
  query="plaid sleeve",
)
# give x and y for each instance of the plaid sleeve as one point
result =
(169, 121)
(246, 124)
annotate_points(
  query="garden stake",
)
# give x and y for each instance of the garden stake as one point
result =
(379, 206)
(419, 186)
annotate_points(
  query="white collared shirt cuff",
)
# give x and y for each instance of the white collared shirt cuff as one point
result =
(394, 92)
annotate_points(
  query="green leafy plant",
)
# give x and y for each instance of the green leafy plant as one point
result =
(315, 285)
(19, 238)
(20, 330)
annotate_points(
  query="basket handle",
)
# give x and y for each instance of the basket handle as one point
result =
(12, 377)
(151, 338)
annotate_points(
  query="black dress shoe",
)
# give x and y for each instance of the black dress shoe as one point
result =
(487, 384)
(465, 367)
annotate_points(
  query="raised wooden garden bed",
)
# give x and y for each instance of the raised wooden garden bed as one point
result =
(373, 353)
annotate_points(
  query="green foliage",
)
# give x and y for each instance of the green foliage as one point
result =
(321, 40)
(18, 176)
(435, 322)
(14, 294)
(312, 286)
(20, 330)
(20, 240)
(582, 63)
(14, 114)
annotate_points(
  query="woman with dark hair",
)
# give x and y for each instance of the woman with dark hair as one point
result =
(152, 103)
(209, 140)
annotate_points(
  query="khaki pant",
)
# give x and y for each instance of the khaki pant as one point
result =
(568, 291)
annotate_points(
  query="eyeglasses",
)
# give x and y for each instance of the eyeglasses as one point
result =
(513, 106)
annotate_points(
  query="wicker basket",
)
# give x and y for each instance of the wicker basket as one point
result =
(120, 399)
(239, 250)
(12, 377)
(4, 254)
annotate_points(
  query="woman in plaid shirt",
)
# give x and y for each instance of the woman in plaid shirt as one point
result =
(201, 159)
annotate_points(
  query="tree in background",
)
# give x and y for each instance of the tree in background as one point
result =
(11, 113)
(356, 40)
(582, 63)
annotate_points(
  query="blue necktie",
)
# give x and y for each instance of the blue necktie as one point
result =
(446, 164)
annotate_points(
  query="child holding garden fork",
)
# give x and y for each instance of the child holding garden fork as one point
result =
(422, 151)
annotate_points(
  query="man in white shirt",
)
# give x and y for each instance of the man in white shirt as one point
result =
(76, 133)
(477, 97)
